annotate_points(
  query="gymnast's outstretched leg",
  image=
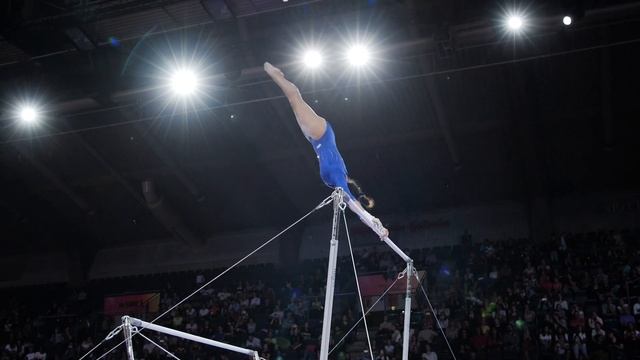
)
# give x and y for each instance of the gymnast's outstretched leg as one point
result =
(312, 125)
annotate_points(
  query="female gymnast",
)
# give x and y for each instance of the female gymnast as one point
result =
(320, 134)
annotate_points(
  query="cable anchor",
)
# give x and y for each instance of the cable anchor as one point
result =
(113, 332)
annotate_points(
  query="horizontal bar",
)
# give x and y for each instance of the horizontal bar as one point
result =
(200, 339)
(370, 221)
(397, 250)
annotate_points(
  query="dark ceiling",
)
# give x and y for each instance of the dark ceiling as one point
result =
(454, 112)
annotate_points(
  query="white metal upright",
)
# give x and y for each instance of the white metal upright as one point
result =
(377, 227)
(338, 206)
(126, 331)
(407, 314)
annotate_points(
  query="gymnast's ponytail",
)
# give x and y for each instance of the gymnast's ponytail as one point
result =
(365, 200)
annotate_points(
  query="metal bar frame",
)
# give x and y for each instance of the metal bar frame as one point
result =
(129, 322)
(338, 206)
(374, 224)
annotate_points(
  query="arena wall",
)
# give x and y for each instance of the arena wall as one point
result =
(503, 221)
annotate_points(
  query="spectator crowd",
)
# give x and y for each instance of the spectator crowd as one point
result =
(573, 297)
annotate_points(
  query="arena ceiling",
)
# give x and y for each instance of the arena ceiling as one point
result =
(456, 111)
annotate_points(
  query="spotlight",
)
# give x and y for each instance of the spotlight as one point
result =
(514, 23)
(358, 55)
(567, 20)
(312, 59)
(184, 82)
(28, 114)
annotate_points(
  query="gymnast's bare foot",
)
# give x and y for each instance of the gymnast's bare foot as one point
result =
(273, 71)
(289, 89)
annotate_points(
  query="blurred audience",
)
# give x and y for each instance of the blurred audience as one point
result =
(576, 296)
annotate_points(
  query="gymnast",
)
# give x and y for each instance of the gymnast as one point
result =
(320, 134)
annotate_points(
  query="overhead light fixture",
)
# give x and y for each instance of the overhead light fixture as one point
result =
(28, 114)
(184, 82)
(312, 59)
(358, 55)
(515, 23)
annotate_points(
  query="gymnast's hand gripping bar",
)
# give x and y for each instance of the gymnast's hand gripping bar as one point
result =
(377, 227)
(147, 325)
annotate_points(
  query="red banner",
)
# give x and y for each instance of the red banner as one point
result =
(375, 285)
(138, 304)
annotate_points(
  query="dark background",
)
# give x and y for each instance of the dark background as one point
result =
(454, 112)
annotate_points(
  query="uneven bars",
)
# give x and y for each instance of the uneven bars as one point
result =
(377, 227)
(370, 221)
(200, 339)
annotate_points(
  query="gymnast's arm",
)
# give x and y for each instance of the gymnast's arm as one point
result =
(368, 219)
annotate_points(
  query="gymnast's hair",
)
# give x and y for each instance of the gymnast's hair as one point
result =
(366, 201)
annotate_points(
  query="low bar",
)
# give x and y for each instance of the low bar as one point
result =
(165, 330)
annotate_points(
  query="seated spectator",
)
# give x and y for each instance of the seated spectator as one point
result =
(11, 349)
(561, 348)
(577, 320)
(546, 339)
(479, 341)
(204, 311)
(429, 354)
(598, 332)
(255, 301)
(176, 320)
(191, 327)
(389, 348)
(609, 309)
(426, 335)
(382, 356)
(636, 308)
(580, 344)
(594, 320)
(387, 325)
(253, 342)
(86, 345)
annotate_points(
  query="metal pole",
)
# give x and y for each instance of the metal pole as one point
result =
(374, 224)
(338, 205)
(200, 339)
(397, 250)
(126, 331)
(407, 313)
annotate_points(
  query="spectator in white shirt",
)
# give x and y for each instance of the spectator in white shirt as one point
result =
(636, 308)
(255, 301)
(253, 343)
(580, 344)
(429, 354)
(199, 279)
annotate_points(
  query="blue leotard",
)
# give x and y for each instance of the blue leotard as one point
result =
(333, 171)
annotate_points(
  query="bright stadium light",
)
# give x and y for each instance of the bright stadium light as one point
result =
(28, 114)
(358, 55)
(184, 82)
(567, 20)
(515, 23)
(312, 59)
